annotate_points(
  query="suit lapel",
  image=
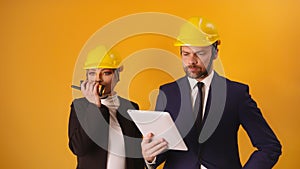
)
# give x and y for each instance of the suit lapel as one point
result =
(185, 117)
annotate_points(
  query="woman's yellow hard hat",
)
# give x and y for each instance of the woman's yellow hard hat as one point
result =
(100, 57)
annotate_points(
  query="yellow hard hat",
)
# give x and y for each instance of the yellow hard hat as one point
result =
(198, 31)
(100, 57)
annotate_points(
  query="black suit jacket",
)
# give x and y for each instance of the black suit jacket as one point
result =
(229, 106)
(88, 134)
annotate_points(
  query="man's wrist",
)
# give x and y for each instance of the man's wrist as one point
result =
(150, 165)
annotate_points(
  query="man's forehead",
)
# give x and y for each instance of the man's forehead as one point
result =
(195, 48)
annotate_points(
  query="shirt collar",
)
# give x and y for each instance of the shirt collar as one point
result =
(207, 80)
(112, 101)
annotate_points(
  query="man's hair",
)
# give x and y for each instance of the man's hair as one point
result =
(214, 49)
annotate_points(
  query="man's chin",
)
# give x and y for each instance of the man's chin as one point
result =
(196, 75)
(193, 76)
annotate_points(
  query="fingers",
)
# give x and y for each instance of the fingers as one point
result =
(155, 147)
(152, 148)
(88, 87)
(96, 94)
(147, 138)
(83, 85)
(89, 90)
(96, 88)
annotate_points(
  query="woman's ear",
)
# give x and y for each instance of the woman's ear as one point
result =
(120, 69)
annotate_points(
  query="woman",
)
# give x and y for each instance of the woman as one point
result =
(101, 133)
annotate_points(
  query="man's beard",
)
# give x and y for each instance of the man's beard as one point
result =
(199, 74)
(203, 72)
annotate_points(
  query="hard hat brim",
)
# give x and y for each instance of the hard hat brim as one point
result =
(190, 43)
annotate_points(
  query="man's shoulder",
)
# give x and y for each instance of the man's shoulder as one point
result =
(236, 84)
(230, 82)
(178, 82)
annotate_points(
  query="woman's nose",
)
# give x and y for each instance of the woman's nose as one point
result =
(99, 77)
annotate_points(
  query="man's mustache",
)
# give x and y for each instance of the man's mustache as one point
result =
(193, 66)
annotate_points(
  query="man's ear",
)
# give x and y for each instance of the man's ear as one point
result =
(216, 54)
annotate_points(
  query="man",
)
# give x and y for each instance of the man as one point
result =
(100, 128)
(208, 110)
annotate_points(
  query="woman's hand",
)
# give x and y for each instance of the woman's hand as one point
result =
(90, 91)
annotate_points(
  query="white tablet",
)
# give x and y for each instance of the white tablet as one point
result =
(160, 124)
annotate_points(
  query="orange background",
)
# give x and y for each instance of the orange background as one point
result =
(41, 40)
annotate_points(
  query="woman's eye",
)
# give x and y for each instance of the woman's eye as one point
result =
(107, 73)
(92, 73)
(185, 54)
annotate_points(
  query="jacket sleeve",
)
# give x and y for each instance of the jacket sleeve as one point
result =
(161, 100)
(160, 106)
(87, 127)
(260, 133)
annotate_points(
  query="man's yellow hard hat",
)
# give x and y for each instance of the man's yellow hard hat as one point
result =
(198, 31)
(100, 57)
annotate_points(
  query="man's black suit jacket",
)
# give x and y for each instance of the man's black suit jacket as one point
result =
(229, 106)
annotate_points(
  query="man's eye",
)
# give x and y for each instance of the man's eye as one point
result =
(92, 73)
(200, 53)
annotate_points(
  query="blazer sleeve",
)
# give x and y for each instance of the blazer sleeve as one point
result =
(84, 118)
(260, 133)
(161, 102)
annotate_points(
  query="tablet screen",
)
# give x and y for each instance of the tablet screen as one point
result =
(160, 124)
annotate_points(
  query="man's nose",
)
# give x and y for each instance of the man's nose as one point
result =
(193, 59)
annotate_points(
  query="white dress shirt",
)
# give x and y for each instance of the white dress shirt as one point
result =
(205, 89)
(116, 146)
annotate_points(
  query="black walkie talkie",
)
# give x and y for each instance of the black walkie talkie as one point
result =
(101, 88)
